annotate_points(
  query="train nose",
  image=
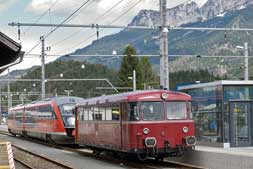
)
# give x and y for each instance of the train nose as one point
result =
(150, 142)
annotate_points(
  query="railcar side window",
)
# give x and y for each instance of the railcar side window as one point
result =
(80, 113)
(102, 112)
(90, 112)
(96, 114)
(176, 110)
(152, 110)
(115, 112)
(108, 111)
(190, 110)
(133, 113)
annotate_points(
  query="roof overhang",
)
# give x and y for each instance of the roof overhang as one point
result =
(217, 83)
(10, 52)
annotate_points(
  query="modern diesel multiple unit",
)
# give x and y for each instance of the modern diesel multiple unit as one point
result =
(51, 119)
(146, 123)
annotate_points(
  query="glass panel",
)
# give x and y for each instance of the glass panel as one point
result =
(176, 110)
(108, 111)
(132, 110)
(115, 112)
(207, 113)
(67, 112)
(152, 110)
(238, 93)
(240, 112)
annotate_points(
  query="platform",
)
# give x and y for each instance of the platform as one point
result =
(6, 156)
(220, 158)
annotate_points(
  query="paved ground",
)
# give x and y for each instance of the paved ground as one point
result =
(73, 159)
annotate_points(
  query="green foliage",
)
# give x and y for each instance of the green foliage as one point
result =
(69, 70)
(128, 64)
(146, 70)
(143, 68)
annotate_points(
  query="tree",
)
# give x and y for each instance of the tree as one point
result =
(146, 71)
(128, 64)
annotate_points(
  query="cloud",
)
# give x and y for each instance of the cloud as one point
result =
(4, 4)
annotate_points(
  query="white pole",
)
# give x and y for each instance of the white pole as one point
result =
(246, 62)
(134, 80)
(164, 65)
(43, 87)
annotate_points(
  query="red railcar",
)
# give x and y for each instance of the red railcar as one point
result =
(51, 119)
(144, 123)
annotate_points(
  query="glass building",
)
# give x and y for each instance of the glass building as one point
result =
(222, 112)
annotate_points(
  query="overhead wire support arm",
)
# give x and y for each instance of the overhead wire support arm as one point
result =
(80, 26)
(18, 24)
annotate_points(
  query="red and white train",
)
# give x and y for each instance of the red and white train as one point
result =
(145, 123)
(50, 119)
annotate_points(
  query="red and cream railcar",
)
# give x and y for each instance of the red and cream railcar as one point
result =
(145, 123)
(51, 119)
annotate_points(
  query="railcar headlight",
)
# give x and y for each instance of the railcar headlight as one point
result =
(145, 130)
(164, 96)
(185, 129)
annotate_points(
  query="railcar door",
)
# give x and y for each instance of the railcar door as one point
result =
(240, 123)
(123, 107)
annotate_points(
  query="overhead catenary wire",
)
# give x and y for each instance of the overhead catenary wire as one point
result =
(53, 30)
(114, 20)
(41, 16)
(96, 19)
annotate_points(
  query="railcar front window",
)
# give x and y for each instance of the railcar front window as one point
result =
(152, 111)
(176, 110)
(133, 113)
(67, 112)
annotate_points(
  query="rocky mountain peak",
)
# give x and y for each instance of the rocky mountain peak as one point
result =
(190, 12)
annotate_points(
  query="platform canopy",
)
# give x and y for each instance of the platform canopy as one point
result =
(10, 52)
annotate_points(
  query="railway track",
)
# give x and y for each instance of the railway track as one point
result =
(148, 164)
(36, 161)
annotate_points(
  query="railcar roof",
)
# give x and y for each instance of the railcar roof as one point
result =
(59, 100)
(138, 95)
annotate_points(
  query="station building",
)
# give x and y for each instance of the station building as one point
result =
(223, 112)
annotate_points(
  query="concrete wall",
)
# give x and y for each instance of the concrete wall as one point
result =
(218, 160)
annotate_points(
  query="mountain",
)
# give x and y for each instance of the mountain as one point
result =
(16, 74)
(190, 12)
(180, 42)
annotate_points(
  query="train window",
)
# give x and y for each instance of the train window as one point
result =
(102, 112)
(115, 112)
(133, 113)
(176, 110)
(67, 109)
(90, 109)
(45, 112)
(108, 110)
(152, 110)
(80, 113)
(85, 113)
(190, 110)
(96, 114)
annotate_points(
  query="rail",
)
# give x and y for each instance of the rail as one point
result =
(107, 157)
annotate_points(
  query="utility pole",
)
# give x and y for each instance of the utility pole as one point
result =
(43, 88)
(134, 80)
(164, 65)
(246, 61)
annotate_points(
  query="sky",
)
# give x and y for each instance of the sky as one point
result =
(66, 40)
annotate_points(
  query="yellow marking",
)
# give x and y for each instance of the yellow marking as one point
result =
(4, 167)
